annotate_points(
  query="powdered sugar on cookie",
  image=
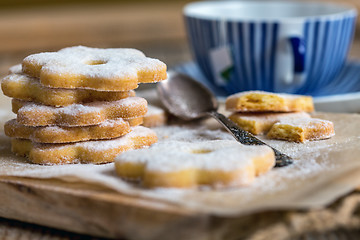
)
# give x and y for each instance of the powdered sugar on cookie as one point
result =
(101, 151)
(17, 69)
(260, 123)
(260, 101)
(154, 117)
(302, 129)
(305, 122)
(57, 134)
(183, 164)
(112, 69)
(28, 88)
(32, 114)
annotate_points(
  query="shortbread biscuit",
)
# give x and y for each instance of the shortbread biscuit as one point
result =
(32, 114)
(28, 88)
(101, 151)
(260, 123)
(154, 117)
(135, 121)
(217, 163)
(112, 69)
(302, 129)
(56, 134)
(259, 101)
(17, 69)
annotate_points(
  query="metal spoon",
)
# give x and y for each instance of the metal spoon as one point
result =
(188, 99)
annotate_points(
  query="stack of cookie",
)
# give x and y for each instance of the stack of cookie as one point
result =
(280, 116)
(79, 105)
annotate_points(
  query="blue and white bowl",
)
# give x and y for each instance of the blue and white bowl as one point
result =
(293, 47)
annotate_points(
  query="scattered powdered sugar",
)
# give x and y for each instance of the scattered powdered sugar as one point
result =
(277, 181)
(297, 150)
(190, 133)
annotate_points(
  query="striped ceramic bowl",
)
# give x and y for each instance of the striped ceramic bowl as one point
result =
(291, 47)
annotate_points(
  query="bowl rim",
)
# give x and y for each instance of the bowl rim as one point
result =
(193, 10)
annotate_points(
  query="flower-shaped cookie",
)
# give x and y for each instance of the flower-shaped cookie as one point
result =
(260, 101)
(75, 115)
(260, 123)
(97, 152)
(27, 88)
(112, 69)
(216, 163)
(58, 134)
(302, 129)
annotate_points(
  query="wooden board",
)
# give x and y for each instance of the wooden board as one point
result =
(90, 210)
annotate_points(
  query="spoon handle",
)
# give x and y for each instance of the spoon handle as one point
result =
(247, 138)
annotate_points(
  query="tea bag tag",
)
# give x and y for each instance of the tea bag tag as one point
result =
(222, 64)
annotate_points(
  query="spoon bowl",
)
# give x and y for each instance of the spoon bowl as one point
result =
(185, 97)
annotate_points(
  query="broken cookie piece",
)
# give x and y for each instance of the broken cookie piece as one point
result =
(302, 129)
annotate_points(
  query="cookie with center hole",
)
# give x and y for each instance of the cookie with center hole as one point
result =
(32, 114)
(96, 152)
(111, 69)
(176, 164)
(20, 86)
(60, 134)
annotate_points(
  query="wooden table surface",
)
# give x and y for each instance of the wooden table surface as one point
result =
(155, 28)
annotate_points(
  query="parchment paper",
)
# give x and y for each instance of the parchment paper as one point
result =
(323, 171)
